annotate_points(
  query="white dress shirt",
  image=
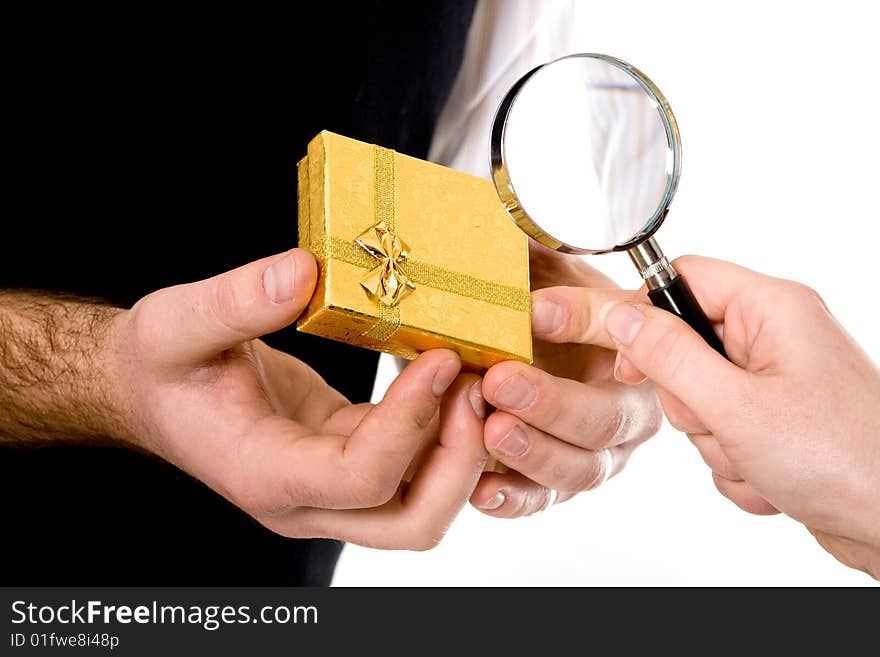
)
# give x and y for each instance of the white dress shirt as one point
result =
(507, 38)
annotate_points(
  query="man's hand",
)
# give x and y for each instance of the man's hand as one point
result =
(789, 424)
(564, 425)
(187, 379)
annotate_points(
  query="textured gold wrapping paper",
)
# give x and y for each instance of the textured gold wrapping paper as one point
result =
(459, 237)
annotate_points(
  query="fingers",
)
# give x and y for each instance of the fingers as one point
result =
(548, 461)
(510, 495)
(571, 314)
(744, 496)
(714, 456)
(451, 468)
(588, 415)
(188, 324)
(344, 421)
(417, 517)
(727, 478)
(679, 415)
(390, 434)
(674, 356)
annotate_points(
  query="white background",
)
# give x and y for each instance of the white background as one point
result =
(779, 110)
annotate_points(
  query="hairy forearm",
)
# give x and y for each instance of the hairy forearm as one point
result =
(54, 368)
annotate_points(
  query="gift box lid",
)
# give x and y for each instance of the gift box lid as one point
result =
(412, 255)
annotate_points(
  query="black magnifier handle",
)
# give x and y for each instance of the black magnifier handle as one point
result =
(677, 298)
(669, 291)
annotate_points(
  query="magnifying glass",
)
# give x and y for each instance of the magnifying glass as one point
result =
(586, 157)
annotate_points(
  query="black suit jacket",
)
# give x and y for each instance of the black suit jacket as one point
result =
(151, 151)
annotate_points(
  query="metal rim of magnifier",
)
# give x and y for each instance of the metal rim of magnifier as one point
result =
(505, 188)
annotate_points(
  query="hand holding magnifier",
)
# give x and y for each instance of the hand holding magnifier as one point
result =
(586, 157)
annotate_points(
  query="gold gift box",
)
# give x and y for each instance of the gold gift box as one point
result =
(411, 256)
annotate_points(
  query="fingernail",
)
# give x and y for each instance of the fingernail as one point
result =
(444, 377)
(278, 279)
(475, 394)
(494, 503)
(515, 443)
(516, 393)
(547, 316)
(616, 366)
(622, 321)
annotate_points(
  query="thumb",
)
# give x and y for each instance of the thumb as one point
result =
(194, 322)
(674, 356)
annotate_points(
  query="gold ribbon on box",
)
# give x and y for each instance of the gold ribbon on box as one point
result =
(392, 275)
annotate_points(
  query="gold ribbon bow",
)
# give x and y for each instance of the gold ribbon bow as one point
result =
(387, 283)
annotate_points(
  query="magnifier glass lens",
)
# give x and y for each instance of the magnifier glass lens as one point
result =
(587, 153)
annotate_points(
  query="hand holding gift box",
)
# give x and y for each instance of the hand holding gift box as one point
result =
(414, 256)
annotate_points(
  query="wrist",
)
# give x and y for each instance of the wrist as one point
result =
(116, 396)
(92, 407)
